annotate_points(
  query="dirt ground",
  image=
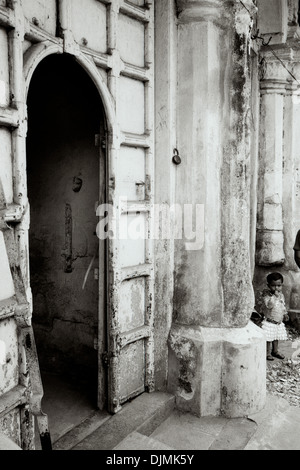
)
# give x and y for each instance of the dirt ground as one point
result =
(283, 376)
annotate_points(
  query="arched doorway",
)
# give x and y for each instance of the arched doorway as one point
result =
(66, 183)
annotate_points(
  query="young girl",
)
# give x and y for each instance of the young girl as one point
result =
(274, 313)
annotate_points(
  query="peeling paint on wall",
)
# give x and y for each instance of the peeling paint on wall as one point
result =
(186, 353)
(10, 425)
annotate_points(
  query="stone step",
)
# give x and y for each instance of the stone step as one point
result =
(142, 415)
(137, 441)
(81, 431)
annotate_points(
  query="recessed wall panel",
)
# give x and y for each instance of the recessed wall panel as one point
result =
(132, 377)
(9, 373)
(4, 71)
(42, 13)
(89, 24)
(132, 306)
(132, 173)
(10, 425)
(132, 105)
(132, 239)
(131, 34)
(6, 191)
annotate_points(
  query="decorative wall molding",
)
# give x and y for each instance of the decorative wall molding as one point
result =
(200, 10)
(216, 11)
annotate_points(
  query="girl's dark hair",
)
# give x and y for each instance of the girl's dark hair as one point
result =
(274, 277)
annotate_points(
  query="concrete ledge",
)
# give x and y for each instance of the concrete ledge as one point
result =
(218, 371)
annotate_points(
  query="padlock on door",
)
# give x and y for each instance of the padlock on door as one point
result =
(176, 158)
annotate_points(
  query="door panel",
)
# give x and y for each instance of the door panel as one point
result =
(132, 379)
(9, 366)
(132, 309)
(133, 241)
(131, 41)
(130, 353)
(132, 91)
(132, 173)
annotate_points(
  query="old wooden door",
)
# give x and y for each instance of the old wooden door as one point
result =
(130, 354)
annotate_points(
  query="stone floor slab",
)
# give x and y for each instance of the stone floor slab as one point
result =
(235, 434)
(277, 430)
(137, 441)
(184, 431)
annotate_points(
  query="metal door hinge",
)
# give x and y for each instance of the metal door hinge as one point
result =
(112, 182)
(100, 142)
(148, 184)
(97, 140)
(105, 358)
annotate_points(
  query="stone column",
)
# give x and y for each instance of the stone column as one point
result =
(217, 357)
(277, 208)
(290, 146)
(291, 186)
(198, 298)
(270, 238)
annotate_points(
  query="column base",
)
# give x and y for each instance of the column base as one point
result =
(218, 371)
(269, 248)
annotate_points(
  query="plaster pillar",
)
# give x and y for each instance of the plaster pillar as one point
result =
(277, 212)
(165, 141)
(270, 239)
(279, 195)
(290, 144)
(291, 168)
(290, 199)
(217, 357)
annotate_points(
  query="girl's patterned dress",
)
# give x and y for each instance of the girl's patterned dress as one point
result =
(274, 312)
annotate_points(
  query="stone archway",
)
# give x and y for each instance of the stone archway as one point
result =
(66, 179)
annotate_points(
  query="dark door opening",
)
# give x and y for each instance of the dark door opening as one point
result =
(65, 113)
